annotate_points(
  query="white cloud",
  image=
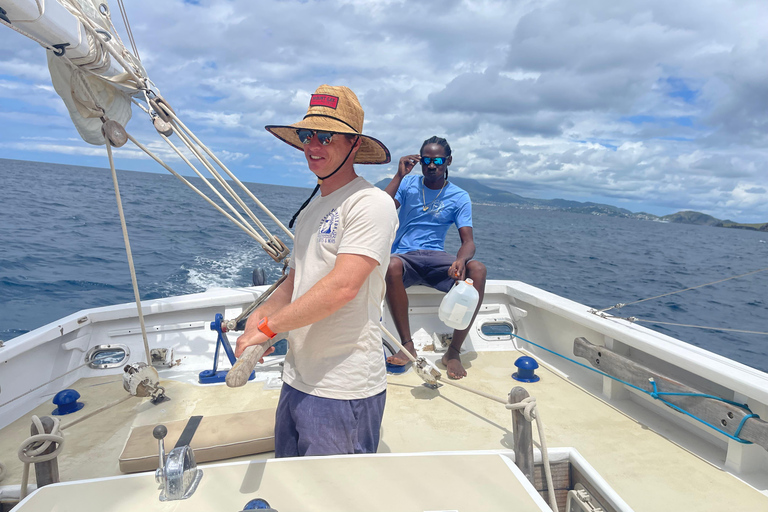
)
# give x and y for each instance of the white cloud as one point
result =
(661, 103)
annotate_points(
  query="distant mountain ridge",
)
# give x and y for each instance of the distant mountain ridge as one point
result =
(484, 194)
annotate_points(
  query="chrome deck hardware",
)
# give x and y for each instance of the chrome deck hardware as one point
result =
(178, 474)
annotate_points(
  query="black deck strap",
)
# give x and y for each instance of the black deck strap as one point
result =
(189, 431)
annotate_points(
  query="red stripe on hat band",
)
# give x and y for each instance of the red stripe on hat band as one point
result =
(324, 100)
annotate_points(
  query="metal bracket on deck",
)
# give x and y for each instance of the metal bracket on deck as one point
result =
(213, 376)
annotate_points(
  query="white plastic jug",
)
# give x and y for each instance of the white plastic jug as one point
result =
(459, 305)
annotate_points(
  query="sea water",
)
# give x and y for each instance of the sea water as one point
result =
(61, 250)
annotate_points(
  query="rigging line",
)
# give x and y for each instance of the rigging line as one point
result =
(184, 180)
(113, 29)
(621, 305)
(134, 282)
(89, 25)
(26, 34)
(43, 384)
(207, 182)
(634, 319)
(223, 182)
(124, 14)
(186, 134)
(142, 107)
(231, 175)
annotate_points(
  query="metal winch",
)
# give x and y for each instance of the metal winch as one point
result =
(142, 380)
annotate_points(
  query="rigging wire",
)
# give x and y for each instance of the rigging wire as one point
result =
(128, 29)
(635, 319)
(621, 305)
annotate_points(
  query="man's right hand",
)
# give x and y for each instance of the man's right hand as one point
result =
(407, 163)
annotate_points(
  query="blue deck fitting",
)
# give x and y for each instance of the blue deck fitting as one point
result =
(526, 367)
(67, 402)
(213, 376)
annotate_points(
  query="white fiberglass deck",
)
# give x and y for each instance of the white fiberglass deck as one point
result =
(649, 472)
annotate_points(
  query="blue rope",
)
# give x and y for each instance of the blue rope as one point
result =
(656, 394)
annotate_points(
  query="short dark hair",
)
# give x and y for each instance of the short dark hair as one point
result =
(437, 140)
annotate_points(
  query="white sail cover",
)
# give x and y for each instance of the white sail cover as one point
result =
(88, 84)
(71, 84)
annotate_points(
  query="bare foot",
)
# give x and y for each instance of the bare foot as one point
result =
(452, 363)
(400, 358)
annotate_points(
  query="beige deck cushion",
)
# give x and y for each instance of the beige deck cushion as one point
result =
(217, 437)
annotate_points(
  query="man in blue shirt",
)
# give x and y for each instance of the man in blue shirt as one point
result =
(428, 205)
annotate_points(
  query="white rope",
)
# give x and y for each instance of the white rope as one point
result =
(222, 182)
(26, 34)
(243, 223)
(96, 411)
(42, 385)
(30, 453)
(91, 26)
(528, 405)
(31, 449)
(214, 189)
(191, 186)
(531, 413)
(128, 250)
(400, 345)
(230, 174)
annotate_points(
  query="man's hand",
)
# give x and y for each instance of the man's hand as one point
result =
(406, 165)
(252, 337)
(458, 270)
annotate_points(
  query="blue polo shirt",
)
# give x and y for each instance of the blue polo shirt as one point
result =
(422, 229)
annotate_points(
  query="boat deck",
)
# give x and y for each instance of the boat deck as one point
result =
(648, 471)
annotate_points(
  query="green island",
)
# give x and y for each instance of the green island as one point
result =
(483, 194)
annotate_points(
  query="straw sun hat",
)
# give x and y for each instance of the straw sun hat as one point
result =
(335, 109)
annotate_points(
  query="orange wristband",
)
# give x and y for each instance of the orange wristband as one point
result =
(263, 327)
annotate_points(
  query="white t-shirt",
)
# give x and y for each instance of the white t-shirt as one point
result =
(341, 356)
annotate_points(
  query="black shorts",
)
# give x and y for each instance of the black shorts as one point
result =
(428, 268)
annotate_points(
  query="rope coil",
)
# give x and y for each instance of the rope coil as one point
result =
(32, 449)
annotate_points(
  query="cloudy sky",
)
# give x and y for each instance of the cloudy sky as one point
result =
(650, 105)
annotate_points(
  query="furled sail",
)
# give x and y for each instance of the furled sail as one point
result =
(91, 69)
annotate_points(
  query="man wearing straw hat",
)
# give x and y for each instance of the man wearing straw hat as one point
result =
(334, 377)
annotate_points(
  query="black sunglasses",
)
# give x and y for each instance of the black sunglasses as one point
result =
(439, 160)
(305, 136)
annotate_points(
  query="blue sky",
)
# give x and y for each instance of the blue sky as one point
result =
(648, 105)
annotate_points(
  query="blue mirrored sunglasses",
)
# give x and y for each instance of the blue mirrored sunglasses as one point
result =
(439, 160)
(305, 136)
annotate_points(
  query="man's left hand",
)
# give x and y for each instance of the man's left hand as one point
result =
(252, 337)
(458, 270)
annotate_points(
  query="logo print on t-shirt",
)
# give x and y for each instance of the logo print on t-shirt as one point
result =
(328, 228)
(436, 208)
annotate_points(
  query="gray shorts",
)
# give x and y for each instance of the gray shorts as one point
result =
(428, 268)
